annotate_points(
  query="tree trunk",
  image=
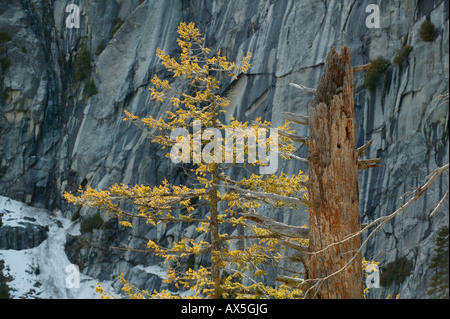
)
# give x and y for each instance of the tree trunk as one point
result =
(215, 240)
(333, 184)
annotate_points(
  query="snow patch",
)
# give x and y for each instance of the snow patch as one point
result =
(41, 272)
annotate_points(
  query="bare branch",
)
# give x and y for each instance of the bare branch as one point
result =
(296, 118)
(362, 149)
(128, 248)
(443, 98)
(361, 67)
(238, 237)
(204, 249)
(302, 87)
(175, 196)
(368, 163)
(186, 219)
(297, 247)
(439, 205)
(295, 157)
(293, 282)
(276, 197)
(277, 227)
(285, 269)
(298, 258)
(296, 138)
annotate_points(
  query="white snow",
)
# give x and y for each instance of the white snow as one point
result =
(41, 272)
(45, 271)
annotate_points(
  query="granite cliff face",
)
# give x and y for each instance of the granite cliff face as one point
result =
(54, 137)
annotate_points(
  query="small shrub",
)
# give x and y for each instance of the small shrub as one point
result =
(3, 169)
(4, 37)
(117, 24)
(90, 88)
(426, 31)
(82, 64)
(100, 47)
(4, 96)
(4, 288)
(376, 69)
(91, 223)
(4, 64)
(76, 214)
(402, 54)
(396, 271)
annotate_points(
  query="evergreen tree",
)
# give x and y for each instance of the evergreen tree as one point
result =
(197, 108)
(439, 282)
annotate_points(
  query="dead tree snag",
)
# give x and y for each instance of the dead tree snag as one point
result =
(333, 183)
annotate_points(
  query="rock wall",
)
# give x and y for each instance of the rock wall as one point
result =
(54, 138)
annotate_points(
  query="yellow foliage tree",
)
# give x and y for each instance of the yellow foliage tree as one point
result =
(197, 107)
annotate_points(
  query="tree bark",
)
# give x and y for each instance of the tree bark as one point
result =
(215, 240)
(333, 184)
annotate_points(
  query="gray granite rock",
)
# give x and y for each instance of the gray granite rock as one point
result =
(26, 236)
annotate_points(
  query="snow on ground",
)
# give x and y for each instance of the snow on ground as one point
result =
(43, 271)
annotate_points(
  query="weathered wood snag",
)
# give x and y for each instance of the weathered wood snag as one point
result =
(333, 184)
